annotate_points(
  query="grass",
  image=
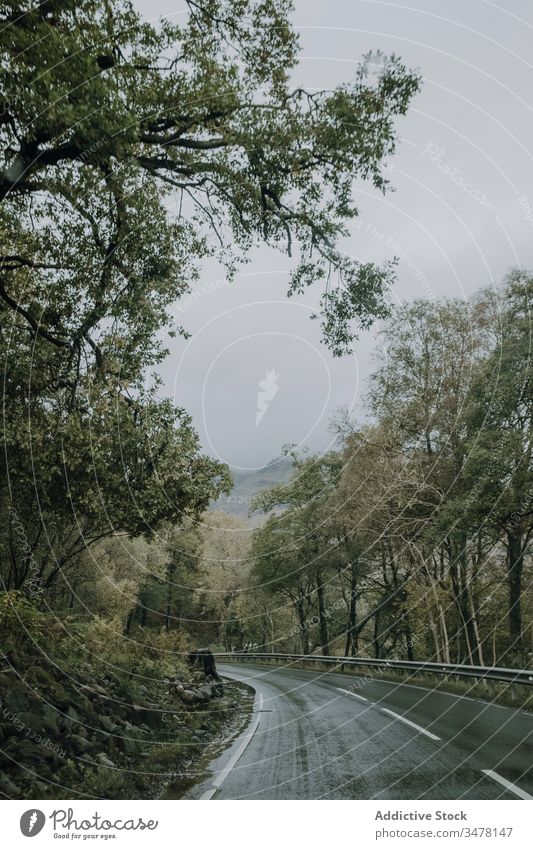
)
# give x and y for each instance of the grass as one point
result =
(494, 692)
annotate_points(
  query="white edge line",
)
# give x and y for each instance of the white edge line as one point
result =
(349, 693)
(247, 736)
(508, 784)
(412, 724)
(209, 793)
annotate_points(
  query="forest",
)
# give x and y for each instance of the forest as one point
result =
(410, 540)
(413, 539)
(132, 152)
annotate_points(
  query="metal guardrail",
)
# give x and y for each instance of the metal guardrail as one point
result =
(484, 673)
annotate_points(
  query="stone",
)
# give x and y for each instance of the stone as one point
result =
(34, 723)
(43, 676)
(189, 697)
(147, 716)
(32, 752)
(79, 744)
(16, 699)
(107, 724)
(50, 720)
(8, 730)
(128, 745)
(9, 788)
(95, 689)
(40, 789)
(205, 692)
(73, 715)
(103, 760)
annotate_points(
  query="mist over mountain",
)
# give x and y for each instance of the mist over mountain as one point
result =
(248, 484)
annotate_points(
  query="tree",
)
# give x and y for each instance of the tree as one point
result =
(372, 509)
(106, 113)
(184, 552)
(130, 153)
(313, 551)
(75, 476)
(282, 574)
(225, 574)
(501, 450)
(421, 394)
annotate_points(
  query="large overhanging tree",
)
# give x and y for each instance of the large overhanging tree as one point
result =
(129, 153)
(103, 112)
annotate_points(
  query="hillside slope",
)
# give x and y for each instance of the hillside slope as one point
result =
(248, 484)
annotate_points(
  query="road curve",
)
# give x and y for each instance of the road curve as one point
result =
(321, 735)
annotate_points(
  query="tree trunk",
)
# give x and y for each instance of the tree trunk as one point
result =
(443, 647)
(458, 573)
(377, 647)
(302, 624)
(434, 633)
(475, 627)
(322, 620)
(409, 641)
(170, 580)
(129, 620)
(515, 567)
(445, 637)
(352, 635)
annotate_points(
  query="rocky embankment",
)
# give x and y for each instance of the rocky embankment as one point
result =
(65, 735)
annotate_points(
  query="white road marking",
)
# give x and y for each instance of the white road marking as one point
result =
(223, 774)
(209, 793)
(446, 693)
(349, 693)
(412, 724)
(456, 696)
(508, 784)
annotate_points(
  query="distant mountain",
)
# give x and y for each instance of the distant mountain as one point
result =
(249, 484)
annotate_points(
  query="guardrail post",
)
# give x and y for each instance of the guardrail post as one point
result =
(491, 687)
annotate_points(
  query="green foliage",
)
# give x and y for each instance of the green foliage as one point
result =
(120, 126)
(20, 620)
(131, 151)
(414, 540)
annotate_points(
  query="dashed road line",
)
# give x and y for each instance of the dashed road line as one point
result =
(508, 784)
(247, 736)
(349, 693)
(412, 724)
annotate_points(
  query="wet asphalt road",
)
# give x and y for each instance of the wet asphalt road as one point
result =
(309, 740)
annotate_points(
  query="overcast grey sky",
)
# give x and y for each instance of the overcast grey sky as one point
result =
(458, 218)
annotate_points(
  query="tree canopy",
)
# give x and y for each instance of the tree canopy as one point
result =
(110, 122)
(418, 541)
(130, 152)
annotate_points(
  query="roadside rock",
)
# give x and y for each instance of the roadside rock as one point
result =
(144, 715)
(16, 700)
(107, 724)
(189, 697)
(103, 760)
(9, 787)
(198, 693)
(79, 744)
